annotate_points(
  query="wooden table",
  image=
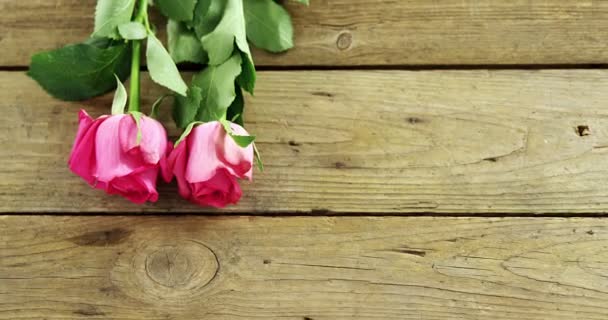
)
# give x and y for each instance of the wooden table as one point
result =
(440, 159)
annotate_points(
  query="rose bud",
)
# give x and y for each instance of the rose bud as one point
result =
(207, 164)
(113, 154)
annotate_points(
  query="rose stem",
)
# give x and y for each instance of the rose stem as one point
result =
(142, 17)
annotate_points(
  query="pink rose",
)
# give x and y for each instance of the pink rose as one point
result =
(207, 163)
(107, 155)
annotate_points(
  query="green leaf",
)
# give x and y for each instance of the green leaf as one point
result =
(80, 71)
(268, 25)
(137, 117)
(120, 98)
(220, 24)
(258, 158)
(101, 43)
(109, 14)
(156, 105)
(180, 10)
(186, 108)
(302, 1)
(217, 85)
(241, 141)
(247, 78)
(207, 15)
(162, 68)
(235, 111)
(219, 43)
(132, 31)
(183, 44)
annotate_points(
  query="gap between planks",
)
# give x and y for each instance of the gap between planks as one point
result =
(312, 213)
(422, 67)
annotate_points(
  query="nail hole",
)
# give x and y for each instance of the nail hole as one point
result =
(414, 120)
(340, 165)
(583, 130)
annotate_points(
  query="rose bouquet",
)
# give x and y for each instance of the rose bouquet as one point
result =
(124, 152)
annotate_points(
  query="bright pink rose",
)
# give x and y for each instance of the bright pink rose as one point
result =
(207, 163)
(107, 155)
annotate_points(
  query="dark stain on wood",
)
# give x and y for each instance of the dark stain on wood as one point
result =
(109, 291)
(102, 238)
(89, 311)
(17, 265)
(415, 252)
(322, 94)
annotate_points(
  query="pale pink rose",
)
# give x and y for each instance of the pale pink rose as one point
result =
(207, 164)
(107, 155)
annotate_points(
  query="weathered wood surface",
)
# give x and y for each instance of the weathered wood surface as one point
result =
(359, 141)
(364, 32)
(302, 268)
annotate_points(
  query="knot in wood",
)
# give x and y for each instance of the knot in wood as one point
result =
(167, 271)
(170, 267)
(345, 39)
(182, 265)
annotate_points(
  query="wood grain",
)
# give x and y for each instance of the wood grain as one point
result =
(364, 32)
(359, 141)
(302, 268)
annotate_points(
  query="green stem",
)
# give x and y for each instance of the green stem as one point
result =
(134, 100)
(134, 96)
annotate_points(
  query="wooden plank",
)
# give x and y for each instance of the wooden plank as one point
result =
(58, 267)
(364, 32)
(359, 141)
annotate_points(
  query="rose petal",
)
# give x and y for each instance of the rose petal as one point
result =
(177, 163)
(127, 131)
(112, 162)
(138, 187)
(82, 158)
(238, 160)
(219, 191)
(153, 142)
(84, 122)
(166, 168)
(202, 143)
